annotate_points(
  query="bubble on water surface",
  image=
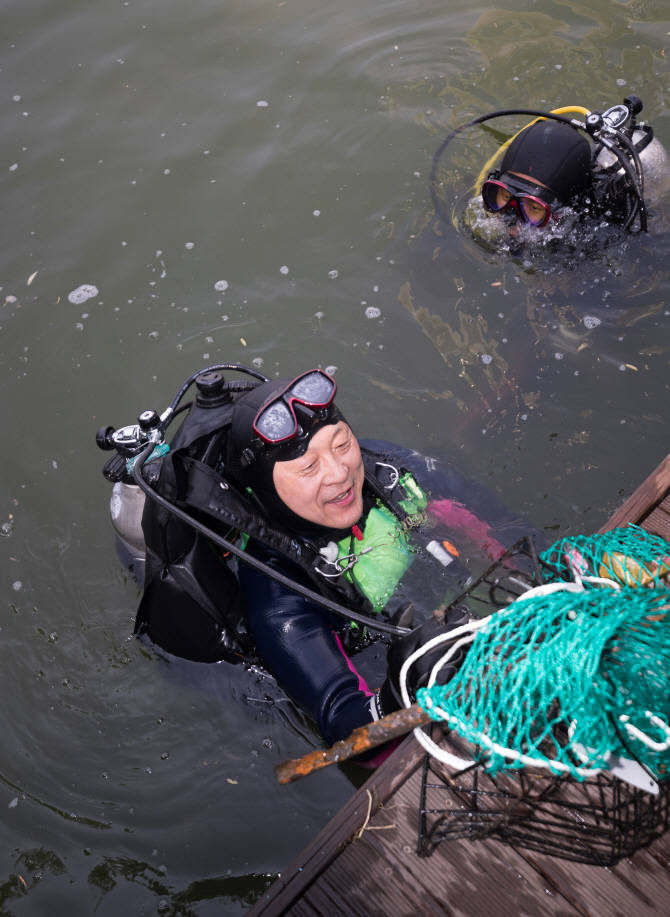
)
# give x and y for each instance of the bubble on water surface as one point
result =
(153, 334)
(372, 312)
(621, 83)
(317, 213)
(6, 530)
(258, 361)
(16, 98)
(333, 274)
(166, 171)
(331, 369)
(283, 269)
(487, 358)
(559, 355)
(262, 104)
(165, 756)
(221, 285)
(190, 245)
(590, 321)
(82, 293)
(319, 316)
(17, 585)
(268, 743)
(559, 66)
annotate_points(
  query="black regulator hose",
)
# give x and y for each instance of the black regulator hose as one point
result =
(252, 561)
(208, 369)
(637, 180)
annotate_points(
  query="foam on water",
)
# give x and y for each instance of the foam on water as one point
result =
(82, 293)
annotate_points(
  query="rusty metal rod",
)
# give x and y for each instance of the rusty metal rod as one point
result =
(361, 740)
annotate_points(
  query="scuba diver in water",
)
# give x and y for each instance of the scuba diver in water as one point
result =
(596, 166)
(335, 536)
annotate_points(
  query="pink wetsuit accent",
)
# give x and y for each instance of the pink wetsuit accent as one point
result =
(363, 686)
(456, 516)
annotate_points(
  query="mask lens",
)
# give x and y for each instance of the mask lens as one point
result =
(496, 196)
(533, 211)
(313, 389)
(276, 423)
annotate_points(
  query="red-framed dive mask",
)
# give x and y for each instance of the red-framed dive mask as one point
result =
(276, 422)
(524, 197)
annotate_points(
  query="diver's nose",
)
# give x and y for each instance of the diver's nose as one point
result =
(336, 472)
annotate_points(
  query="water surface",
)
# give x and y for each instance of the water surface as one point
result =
(137, 159)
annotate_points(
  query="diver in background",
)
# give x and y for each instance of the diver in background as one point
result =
(596, 167)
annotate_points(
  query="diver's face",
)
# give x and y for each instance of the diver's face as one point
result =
(325, 485)
(534, 210)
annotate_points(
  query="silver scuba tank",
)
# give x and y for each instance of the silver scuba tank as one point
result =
(654, 158)
(126, 507)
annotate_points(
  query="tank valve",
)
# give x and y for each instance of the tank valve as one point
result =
(634, 103)
(594, 122)
(148, 420)
(103, 439)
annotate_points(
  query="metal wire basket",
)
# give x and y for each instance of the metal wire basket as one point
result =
(599, 821)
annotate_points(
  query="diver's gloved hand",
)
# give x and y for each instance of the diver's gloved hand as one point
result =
(390, 698)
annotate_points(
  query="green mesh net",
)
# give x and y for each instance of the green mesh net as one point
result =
(629, 556)
(567, 679)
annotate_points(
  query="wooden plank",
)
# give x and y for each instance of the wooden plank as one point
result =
(645, 498)
(337, 833)
(639, 885)
(382, 874)
(658, 522)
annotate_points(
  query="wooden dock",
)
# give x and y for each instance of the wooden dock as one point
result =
(364, 862)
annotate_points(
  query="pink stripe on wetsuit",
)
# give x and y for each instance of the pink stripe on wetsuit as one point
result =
(363, 686)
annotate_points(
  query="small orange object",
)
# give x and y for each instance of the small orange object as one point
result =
(452, 550)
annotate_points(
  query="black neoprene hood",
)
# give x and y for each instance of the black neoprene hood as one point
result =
(259, 473)
(555, 155)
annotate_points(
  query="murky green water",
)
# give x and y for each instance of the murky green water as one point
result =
(137, 158)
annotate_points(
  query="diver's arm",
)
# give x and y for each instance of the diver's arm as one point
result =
(297, 642)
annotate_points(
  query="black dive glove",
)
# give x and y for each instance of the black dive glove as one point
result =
(390, 698)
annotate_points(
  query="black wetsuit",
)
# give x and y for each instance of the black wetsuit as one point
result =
(298, 640)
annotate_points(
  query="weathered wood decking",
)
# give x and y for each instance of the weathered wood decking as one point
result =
(376, 872)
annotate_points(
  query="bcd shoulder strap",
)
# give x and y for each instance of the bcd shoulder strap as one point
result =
(209, 493)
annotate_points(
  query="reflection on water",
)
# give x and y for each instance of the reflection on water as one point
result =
(156, 217)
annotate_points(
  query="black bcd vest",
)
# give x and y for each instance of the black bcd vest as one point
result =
(192, 605)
